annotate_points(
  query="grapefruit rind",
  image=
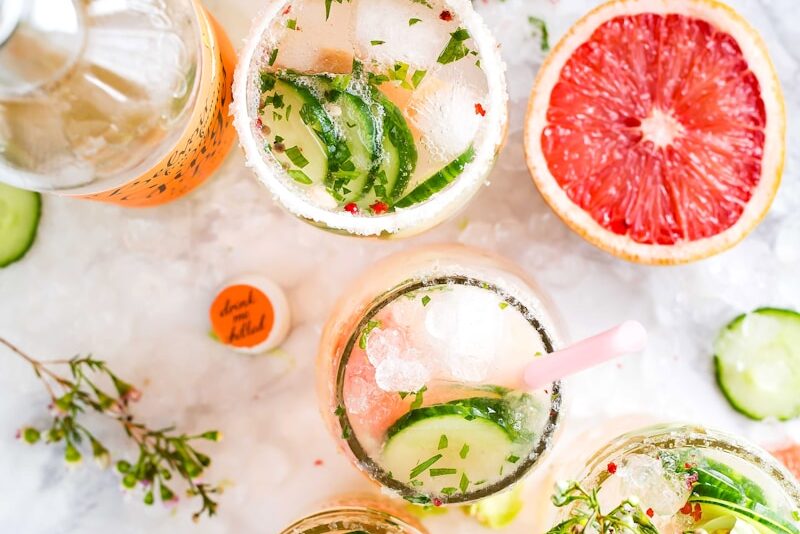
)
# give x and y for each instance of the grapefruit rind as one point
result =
(755, 54)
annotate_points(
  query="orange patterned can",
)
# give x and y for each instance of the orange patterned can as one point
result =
(206, 138)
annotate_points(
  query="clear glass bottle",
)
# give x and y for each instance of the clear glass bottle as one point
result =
(119, 101)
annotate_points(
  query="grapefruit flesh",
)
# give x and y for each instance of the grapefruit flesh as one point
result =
(656, 129)
(790, 457)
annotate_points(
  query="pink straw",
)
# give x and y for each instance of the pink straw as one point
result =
(627, 337)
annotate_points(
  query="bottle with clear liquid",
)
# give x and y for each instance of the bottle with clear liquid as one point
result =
(122, 101)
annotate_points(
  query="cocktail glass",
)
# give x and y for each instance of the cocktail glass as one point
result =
(686, 478)
(350, 519)
(404, 108)
(420, 375)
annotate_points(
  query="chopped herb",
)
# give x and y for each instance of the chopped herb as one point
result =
(503, 305)
(421, 468)
(404, 394)
(443, 471)
(350, 124)
(288, 111)
(328, 4)
(346, 431)
(442, 442)
(501, 470)
(449, 490)
(418, 499)
(478, 63)
(362, 341)
(463, 483)
(464, 451)
(291, 24)
(418, 398)
(541, 31)
(276, 116)
(538, 354)
(278, 139)
(512, 459)
(399, 71)
(416, 483)
(425, 300)
(339, 411)
(300, 177)
(411, 22)
(417, 77)
(377, 43)
(455, 49)
(273, 56)
(268, 81)
(296, 155)
(341, 82)
(478, 483)
(423, 2)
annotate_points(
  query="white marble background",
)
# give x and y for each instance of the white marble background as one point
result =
(133, 287)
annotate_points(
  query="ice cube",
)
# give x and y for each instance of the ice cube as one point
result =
(385, 344)
(383, 34)
(445, 113)
(401, 375)
(644, 477)
(468, 367)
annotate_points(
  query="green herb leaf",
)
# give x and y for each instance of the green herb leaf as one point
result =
(463, 484)
(273, 56)
(442, 442)
(362, 340)
(411, 22)
(417, 77)
(418, 398)
(512, 459)
(422, 467)
(443, 471)
(377, 43)
(296, 155)
(291, 24)
(541, 30)
(450, 490)
(455, 49)
(300, 177)
(503, 305)
(464, 451)
(425, 300)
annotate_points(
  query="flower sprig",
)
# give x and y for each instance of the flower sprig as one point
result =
(163, 454)
(587, 516)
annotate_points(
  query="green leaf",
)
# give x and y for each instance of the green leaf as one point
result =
(422, 467)
(377, 43)
(291, 24)
(541, 29)
(418, 398)
(148, 498)
(455, 49)
(464, 451)
(300, 177)
(411, 22)
(272, 57)
(463, 484)
(443, 471)
(362, 340)
(30, 435)
(442, 442)
(296, 155)
(212, 435)
(417, 77)
(425, 300)
(166, 493)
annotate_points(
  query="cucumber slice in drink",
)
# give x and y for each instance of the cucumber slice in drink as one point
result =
(353, 173)
(762, 518)
(438, 181)
(399, 151)
(757, 360)
(729, 525)
(19, 219)
(499, 510)
(302, 136)
(450, 448)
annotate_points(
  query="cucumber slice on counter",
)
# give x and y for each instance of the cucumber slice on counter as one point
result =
(438, 181)
(757, 360)
(762, 518)
(19, 219)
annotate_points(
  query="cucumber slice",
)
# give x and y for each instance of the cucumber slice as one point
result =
(298, 123)
(757, 361)
(762, 518)
(750, 489)
(438, 181)
(20, 211)
(351, 176)
(728, 525)
(399, 151)
(475, 450)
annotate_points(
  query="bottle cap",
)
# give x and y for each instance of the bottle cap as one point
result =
(251, 315)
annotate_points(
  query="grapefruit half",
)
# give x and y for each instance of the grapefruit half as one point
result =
(656, 129)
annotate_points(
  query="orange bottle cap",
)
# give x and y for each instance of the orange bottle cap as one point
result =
(251, 315)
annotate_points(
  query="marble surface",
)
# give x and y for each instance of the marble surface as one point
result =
(132, 287)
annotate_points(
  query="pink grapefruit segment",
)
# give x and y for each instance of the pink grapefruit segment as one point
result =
(655, 126)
